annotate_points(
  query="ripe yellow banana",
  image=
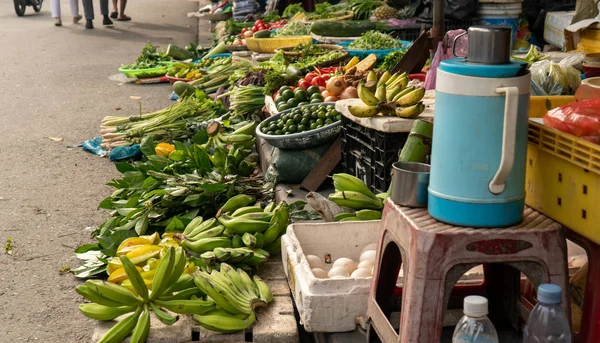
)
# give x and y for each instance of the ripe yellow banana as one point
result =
(363, 110)
(163, 316)
(412, 98)
(142, 253)
(263, 289)
(142, 327)
(345, 182)
(163, 273)
(368, 215)
(101, 312)
(119, 275)
(207, 244)
(384, 78)
(114, 292)
(96, 297)
(372, 76)
(136, 279)
(355, 200)
(380, 93)
(186, 306)
(122, 329)
(391, 80)
(403, 93)
(391, 92)
(223, 323)
(366, 96)
(234, 203)
(411, 111)
(130, 242)
(401, 82)
(246, 210)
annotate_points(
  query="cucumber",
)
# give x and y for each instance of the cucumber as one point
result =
(262, 34)
(341, 28)
(178, 53)
(293, 71)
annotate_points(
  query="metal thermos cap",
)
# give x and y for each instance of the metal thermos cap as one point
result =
(489, 44)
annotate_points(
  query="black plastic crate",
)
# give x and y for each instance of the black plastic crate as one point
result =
(368, 154)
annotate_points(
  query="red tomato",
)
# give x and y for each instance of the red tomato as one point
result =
(318, 81)
(310, 76)
(244, 29)
(304, 84)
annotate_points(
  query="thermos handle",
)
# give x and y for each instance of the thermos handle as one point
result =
(454, 44)
(511, 106)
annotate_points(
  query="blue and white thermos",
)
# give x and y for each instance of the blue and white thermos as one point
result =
(479, 146)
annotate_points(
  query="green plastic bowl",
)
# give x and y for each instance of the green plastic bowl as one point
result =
(145, 73)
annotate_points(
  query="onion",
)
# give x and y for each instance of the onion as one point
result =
(336, 85)
(331, 98)
(248, 34)
(349, 93)
(325, 94)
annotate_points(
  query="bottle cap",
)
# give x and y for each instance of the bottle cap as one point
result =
(549, 293)
(475, 306)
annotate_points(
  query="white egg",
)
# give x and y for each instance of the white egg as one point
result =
(361, 272)
(338, 271)
(345, 262)
(319, 273)
(367, 264)
(338, 277)
(368, 255)
(314, 261)
(372, 246)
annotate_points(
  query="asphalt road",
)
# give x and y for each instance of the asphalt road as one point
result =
(55, 83)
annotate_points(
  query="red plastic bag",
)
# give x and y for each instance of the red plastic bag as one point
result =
(581, 119)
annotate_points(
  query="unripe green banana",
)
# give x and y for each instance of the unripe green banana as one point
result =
(205, 226)
(248, 283)
(235, 202)
(391, 79)
(186, 306)
(366, 96)
(207, 244)
(345, 182)
(264, 291)
(208, 257)
(235, 278)
(401, 82)
(270, 207)
(231, 292)
(391, 92)
(380, 93)
(237, 242)
(135, 278)
(382, 196)
(162, 274)
(411, 111)
(214, 232)
(271, 234)
(219, 156)
(236, 255)
(122, 329)
(142, 327)
(225, 324)
(96, 297)
(114, 292)
(222, 254)
(260, 239)
(247, 129)
(101, 312)
(232, 139)
(241, 225)
(368, 215)
(192, 225)
(183, 295)
(275, 247)
(403, 93)
(246, 210)
(412, 98)
(262, 216)
(249, 240)
(163, 316)
(338, 217)
(350, 219)
(178, 268)
(185, 281)
(203, 281)
(355, 200)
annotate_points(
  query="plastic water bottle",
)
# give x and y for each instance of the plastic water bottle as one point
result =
(548, 321)
(475, 326)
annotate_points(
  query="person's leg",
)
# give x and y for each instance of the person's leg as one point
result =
(104, 10)
(88, 9)
(122, 16)
(115, 11)
(74, 5)
(55, 6)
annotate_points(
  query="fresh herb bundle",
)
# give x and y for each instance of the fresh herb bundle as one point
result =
(373, 40)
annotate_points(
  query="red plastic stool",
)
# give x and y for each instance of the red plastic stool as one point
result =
(435, 255)
(590, 319)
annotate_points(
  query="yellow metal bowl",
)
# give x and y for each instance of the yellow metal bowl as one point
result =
(269, 45)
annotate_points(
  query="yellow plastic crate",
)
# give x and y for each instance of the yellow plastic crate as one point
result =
(563, 179)
(269, 45)
(540, 105)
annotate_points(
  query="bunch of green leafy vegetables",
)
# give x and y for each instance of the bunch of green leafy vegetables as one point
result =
(322, 8)
(276, 80)
(271, 16)
(292, 9)
(149, 58)
(294, 28)
(392, 59)
(279, 63)
(309, 49)
(374, 40)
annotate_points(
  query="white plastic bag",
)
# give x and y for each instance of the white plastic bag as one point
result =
(550, 78)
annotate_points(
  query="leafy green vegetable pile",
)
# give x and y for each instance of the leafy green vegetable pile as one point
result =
(294, 28)
(293, 9)
(392, 59)
(149, 58)
(279, 63)
(309, 49)
(373, 40)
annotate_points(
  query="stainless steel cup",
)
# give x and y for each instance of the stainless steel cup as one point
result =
(488, 44)
(409, 184)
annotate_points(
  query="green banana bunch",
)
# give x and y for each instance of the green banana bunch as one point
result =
(234, 203)
(343, 182)
(351, 192)
(355, 200)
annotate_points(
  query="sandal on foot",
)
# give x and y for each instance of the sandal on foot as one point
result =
(124, 18)
(76, 19)
(114, 15)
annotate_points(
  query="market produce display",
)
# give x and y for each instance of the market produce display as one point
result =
(344, 267)
(150, 63)
(302, 119)
(374, 40)
(293, 28)
(353, 194)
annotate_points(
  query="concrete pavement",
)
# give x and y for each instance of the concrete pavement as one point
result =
(54, 83)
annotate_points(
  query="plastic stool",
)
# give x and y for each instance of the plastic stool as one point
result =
(435, 255)
(590, 320)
